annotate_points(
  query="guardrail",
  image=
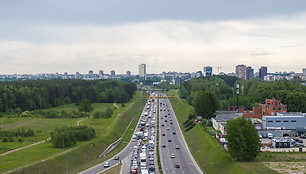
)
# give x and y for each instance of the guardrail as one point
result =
(114, 144)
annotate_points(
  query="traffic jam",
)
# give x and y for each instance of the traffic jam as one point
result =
(142, 160)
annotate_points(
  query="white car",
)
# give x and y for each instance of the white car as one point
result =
(172, 155)
(106, 164)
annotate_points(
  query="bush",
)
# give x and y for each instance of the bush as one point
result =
(4, 140)
(20, 140)
(68, 136)
(107, 114)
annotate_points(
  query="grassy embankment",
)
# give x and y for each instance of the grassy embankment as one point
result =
(206, 150)
(46, 159)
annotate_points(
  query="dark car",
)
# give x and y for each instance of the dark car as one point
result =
(163, 135)
(165, 115)
(151, 162)
(169, 140)
(177, 147)
(170, 122)
(264, 136)
(116, 157)
(163, 146)
(163, 125)
(161, 117)
(165, 120)
(168, 113)
(173, 133)
(177, 165)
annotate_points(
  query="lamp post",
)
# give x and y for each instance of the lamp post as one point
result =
(237, 92)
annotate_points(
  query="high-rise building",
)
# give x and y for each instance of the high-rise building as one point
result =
(249, 71)
(113, 73)
(90, 74)
(142, 71)
(207, 71)
(199, 74)
(66, 75)
(101, 74)
(78, 75)
(240, 71)
(304, 73)
(263, 71)
(128, 74)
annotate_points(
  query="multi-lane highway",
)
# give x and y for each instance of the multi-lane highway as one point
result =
(174, 153)
(139, 155)
(146, 124)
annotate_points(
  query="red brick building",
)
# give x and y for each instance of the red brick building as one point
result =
(270, 107)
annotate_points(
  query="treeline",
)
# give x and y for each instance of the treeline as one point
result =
(68, 136)
(252, 92)
(19, 96)
(15, 133)
(207, 94)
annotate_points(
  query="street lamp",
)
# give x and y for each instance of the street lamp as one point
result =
(237, 92)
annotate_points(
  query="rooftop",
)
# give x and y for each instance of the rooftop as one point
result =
(223, 116)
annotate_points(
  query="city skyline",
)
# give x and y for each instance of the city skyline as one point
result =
(253, 33)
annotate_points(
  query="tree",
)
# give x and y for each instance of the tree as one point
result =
(85, 106)
(243, 140)
(205, 104)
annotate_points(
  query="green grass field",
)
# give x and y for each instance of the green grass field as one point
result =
(207, 151)
(46, 159)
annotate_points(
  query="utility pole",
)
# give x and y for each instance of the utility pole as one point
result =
(237, 92)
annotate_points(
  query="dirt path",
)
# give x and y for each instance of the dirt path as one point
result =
(39, 142)
(288, 167)
(20, 148)
(78, 122)
(116, 106)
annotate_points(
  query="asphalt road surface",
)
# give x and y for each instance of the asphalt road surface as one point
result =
(171, 131)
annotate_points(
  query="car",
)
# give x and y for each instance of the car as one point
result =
(106, 164)
(264, 136)
(177, 147)
(168, 128)
(116, 157)
(151, 162)
(170, 119)
(163, 125)
(170, 122)
(172, 155)
(177, 165)
(166, 121)
(173, 133)
(169, 140)
(168, 113)
(270, 135)
(163, 146)
(161, 110)
(300, 141)
(161, 117)
(165, 115)
(164, 109)
(151, 159)
(163, 134)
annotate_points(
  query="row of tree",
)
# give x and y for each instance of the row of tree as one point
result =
(17, 133)
(18, 96)
(68, 136)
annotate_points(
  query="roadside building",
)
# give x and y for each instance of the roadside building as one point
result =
(270, 107)
(219, 122)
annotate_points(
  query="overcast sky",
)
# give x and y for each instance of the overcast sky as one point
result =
(49, 36)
